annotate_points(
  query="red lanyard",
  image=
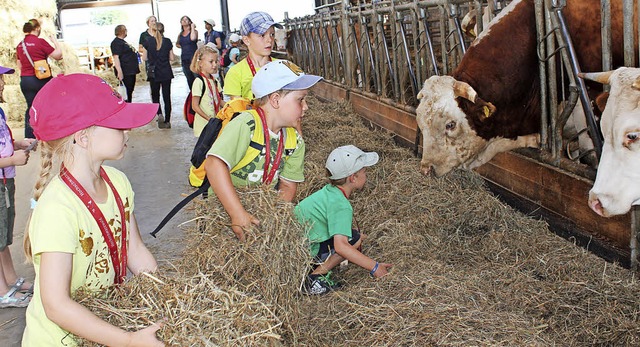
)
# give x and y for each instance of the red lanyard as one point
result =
(253, 69)
(119, 261)
(267, 176)
(215, 96)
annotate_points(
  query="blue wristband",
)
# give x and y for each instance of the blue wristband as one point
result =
(375, 268)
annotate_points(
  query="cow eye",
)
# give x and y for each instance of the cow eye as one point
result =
(450, 125)
(631, 138)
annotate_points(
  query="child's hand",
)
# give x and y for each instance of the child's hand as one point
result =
(20, 157)
(146, 337)
(383, 270)
(241, 222)
(24, 144)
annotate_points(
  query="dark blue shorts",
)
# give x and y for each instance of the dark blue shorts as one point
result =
(327, 249)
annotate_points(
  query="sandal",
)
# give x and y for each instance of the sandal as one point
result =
(10, 299)
(18, 286)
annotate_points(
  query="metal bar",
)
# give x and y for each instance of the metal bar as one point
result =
(605, 30)
(358, 55)
(544, 123)
(563, 32)
(633, 239)
(627, 25)
(427, 32)
(385, 50)
(372, 61)
(407, 56)
(453, 9)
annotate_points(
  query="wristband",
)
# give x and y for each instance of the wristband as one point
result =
(375, 268)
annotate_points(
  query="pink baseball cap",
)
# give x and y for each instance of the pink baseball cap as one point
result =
(69, 103)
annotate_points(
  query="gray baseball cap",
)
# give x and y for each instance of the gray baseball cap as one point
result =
(346, 160)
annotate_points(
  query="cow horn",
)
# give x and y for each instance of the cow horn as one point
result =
(464, 90)
(600, 77)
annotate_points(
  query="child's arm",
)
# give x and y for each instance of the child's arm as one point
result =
(195, 104)
(287, 190)
(55, 280)
(140, 259)
(19, 158)
(218, 175)
(351, 253)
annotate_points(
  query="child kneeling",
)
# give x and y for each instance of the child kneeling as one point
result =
(330, 217)
(262, 146)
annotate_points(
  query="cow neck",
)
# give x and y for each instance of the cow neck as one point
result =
(252, 67)
(267, 176)
(118, 259)
(215, 96)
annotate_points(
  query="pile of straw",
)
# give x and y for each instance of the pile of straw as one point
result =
(468, 270)
(185, 305)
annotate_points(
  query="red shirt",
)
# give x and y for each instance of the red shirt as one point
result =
(38, 49)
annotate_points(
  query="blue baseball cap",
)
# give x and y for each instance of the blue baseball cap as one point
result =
(257, 22)
(6, 70)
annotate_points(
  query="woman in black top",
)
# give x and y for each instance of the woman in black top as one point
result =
(159, 53)
(125, 60)
(145, 35)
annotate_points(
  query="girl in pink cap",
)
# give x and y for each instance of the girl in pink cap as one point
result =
(83, 231)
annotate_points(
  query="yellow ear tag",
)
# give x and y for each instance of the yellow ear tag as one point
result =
(486, 111)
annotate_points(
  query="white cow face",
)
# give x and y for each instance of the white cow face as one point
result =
(281, 38)
(617, 184)
(448, 140)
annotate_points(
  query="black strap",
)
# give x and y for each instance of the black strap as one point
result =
(202, 189)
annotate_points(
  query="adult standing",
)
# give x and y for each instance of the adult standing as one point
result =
(33, 48)
(145, 35)
(188, 43)
(212, 35)
(125, 60)
(159, 53)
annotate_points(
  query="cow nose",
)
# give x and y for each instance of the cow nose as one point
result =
(596, 204)
(426, 170)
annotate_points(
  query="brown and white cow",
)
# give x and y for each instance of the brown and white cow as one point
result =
(491, 102)
(617, 184)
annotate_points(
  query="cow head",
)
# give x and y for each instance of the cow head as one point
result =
(617, 184)
(447, 138)
(281, 37)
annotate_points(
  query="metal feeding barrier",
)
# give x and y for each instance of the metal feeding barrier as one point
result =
(385, 50)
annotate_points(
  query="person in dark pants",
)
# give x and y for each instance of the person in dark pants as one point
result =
(188, 43)
(159, 53)
(33, 48)
(125, 60)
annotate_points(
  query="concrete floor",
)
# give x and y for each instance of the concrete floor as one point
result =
(156, 163)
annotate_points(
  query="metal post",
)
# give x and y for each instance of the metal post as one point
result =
(627, 25)
(633, 240)
(224, 8)
(544, 122)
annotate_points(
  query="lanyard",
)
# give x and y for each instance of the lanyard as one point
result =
(253, 69)
(354, 215)
(267, 176)
(215, 96)
(119, 261)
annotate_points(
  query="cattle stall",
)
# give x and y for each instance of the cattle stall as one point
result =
(376, 55)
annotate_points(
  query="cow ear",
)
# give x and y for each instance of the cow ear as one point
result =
(487, 109)
(601, 101)
(464, 90)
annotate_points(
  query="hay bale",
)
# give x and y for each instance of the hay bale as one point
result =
(195, 311)
(271, 264)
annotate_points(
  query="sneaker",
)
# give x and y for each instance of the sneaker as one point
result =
(319, 284)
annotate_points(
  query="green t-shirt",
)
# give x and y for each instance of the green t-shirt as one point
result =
(61, 223)
(232, 144)
(238, 79)
(327, 213)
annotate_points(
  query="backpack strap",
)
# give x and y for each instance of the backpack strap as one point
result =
(201, 190)
(257, 143)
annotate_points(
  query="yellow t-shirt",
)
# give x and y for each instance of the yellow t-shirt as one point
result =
(206, 103)
(238, 79)
(61, 223)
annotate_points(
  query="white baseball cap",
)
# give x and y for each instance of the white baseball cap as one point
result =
(210, 21)
(346, 160)
(235, 37)
(281, 74)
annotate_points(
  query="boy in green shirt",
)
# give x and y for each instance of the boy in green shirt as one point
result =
(329, 216)
(241, 157)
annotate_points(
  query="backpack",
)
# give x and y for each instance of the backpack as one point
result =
(225, 57)
(187, 110)
(211, 132)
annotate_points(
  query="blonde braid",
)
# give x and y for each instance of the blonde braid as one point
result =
(51, 152)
